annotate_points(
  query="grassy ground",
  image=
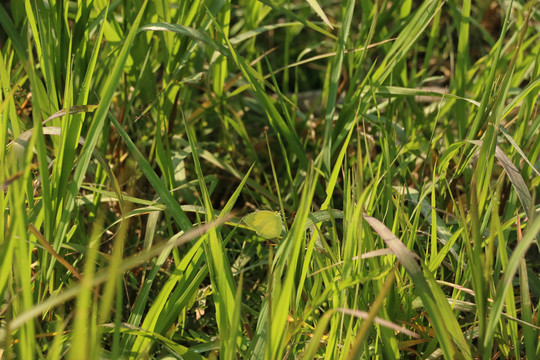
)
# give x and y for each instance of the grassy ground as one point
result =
(397, 142)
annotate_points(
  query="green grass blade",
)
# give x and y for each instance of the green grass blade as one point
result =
(333, 80)
(442, 316)
(506, 282)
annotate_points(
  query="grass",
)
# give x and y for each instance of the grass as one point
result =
(398, 141)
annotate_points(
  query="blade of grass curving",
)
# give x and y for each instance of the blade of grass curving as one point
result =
(517, 182)
(406, 39)
(189, 32)
(278, 7)
(515, 177)
(530, 88)
(45, 244)
(368, 317)
(401, 91)
(317, 8)
(275, 119)
(260, 30)
(161, 189)
(441, 314)
(75, 109)
(327, 55)
(163, 13)
(518, 149)
(321, 216)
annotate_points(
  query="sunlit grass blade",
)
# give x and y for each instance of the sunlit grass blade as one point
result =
(176, 211)
(94, 132)
(444, 322)
(519, 252)
(317, 8)
(176, 349)
(462, 61)
(102, 276)
(186, 31)
(408, 36)
(218, 264)
(289, 13)
(515, 178)
(333, 81)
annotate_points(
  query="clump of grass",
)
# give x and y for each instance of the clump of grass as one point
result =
(397, 142)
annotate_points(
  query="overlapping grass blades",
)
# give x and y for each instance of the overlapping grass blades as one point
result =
(398, 140)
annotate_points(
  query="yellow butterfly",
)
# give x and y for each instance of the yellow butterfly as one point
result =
(266, 223)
